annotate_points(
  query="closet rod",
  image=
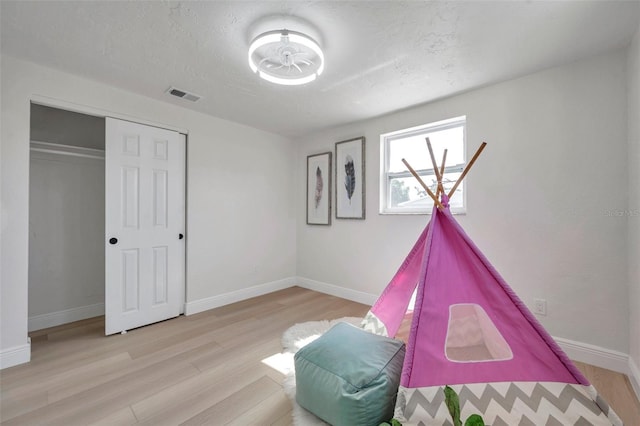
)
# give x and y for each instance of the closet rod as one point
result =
(70, 150)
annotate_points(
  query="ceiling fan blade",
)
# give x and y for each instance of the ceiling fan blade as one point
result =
(271, 59)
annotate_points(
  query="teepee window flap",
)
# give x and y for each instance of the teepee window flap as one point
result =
(473, 337)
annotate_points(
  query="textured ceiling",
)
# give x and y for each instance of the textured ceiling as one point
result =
(381, 56)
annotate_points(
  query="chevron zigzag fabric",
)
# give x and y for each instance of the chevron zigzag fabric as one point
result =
(372, 324)
(507, 403)
(471, 331)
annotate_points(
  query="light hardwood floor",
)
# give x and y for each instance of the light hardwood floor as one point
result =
(201, 369)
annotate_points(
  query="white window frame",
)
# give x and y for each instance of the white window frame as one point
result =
(386, 177)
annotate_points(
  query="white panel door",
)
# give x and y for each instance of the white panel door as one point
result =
(145, 221)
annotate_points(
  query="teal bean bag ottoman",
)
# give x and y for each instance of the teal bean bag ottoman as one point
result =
(349, 376)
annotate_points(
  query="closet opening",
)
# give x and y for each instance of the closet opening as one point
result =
(66, 217)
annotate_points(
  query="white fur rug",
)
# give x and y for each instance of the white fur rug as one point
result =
(292, 340)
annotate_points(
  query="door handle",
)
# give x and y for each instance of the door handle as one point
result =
(180, 236)
(113, 240)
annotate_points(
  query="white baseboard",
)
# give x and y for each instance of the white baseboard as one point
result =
(334, 290)
(634, 377)
(595, 355)
(38, 322)
(15, 355)
(201, 305)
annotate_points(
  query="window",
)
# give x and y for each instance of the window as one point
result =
(400, 192)
(472, 336)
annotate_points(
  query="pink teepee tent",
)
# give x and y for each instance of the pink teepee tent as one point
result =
(470, 331)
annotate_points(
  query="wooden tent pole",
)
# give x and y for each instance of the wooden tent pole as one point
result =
(444, 160)
(435, 168)
(424, 185)
(466, 169)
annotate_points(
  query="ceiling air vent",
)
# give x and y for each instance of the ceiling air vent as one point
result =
(183, 94)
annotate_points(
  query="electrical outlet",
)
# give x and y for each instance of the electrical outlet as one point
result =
(540, 306)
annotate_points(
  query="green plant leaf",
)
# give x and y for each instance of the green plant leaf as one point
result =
(453, 405)
(392, 422)
(474, 420)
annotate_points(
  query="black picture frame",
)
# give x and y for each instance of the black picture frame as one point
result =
(319, 189)
(350, 179)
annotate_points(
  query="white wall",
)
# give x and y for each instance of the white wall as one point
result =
(538, 198)
(633, 72)
(66, 237)
(240, 218)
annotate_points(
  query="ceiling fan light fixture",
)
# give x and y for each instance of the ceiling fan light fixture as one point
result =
(286, 57)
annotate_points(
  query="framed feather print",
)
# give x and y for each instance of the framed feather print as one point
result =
(350, 184)
(319, 189)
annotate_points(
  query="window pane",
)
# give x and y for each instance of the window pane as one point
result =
(414, 149)
(408, 193)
